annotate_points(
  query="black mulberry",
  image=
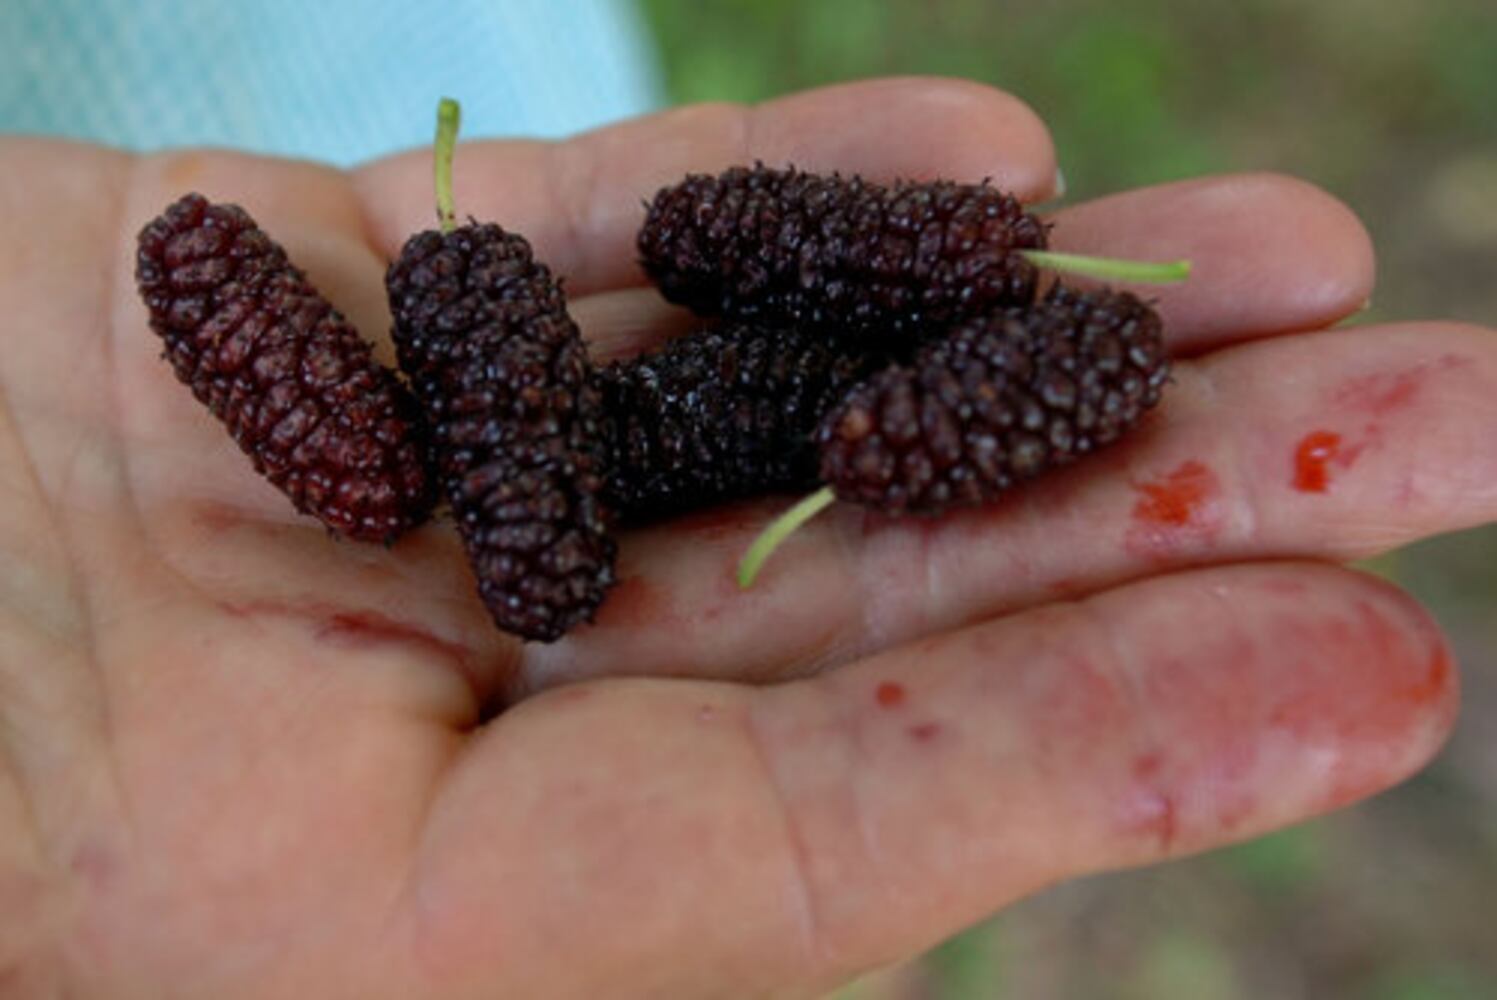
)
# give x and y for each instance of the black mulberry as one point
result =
(837, 254)
(482, 329)
(721, 414)
(295, 384)
(999, 400)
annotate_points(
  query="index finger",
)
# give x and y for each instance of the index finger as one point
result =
(579, 200)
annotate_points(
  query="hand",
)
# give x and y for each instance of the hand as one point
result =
(243, 759)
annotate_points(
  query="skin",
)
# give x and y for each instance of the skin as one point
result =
(239, 758)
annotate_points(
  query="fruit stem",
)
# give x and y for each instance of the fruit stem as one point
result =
(1111, 268)
(449, 117)
(780, 529)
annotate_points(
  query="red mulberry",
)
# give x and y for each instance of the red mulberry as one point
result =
(295, 384)
(721, 414)
(999, 400)
(482, 330)
(839, 255)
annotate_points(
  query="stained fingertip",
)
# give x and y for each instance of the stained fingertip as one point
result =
(1159, 719)
(1348, 689)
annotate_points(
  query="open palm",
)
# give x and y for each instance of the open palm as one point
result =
(241, 758)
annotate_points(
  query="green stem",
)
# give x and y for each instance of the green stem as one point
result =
(780, 529)
(449, 117)
(1111, 268)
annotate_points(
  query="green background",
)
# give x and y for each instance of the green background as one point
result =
(1392, 106)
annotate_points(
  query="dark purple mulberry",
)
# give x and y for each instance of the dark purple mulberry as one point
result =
(999, 400)
(721, 414)
(293, 381)
(482, 330)
(840, 255)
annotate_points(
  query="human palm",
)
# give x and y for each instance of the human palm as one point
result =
(241, 758)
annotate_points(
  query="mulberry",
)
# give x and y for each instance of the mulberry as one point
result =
(999, 400)
(839, 255)
(721, 414)
(287, 374)
(482, 329)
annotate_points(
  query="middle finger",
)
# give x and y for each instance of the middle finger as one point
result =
(1330, 445)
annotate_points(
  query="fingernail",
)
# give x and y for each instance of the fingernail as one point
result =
(1060, 183)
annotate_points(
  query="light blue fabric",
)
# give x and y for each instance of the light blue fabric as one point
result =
(333, 80)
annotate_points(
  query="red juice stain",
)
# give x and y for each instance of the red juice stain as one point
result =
(1384, 392)
(1177, 499)
(1399, 686)
(360, 628)
(889, 695)
(1147, 765)
(372, 627)
(1179, 506)
(1436, 681)
(924, 732)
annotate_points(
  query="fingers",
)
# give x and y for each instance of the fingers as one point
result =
(1270, 253)
(1321, 446)
(579, 201)
(932, 784)
(791, 836)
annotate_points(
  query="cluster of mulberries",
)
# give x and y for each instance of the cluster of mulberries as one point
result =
(839, 255)
(721, 413)
(883, 340)
(999, 400)
(294, 383)
(482, 331)
(1002, 387)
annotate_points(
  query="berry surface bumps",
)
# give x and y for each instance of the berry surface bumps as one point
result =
(482, 330)
(996, 402)
(287, 374)
(839, 255)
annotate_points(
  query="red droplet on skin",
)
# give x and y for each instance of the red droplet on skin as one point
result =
(889, 695)
(924, 732)
(1310, 458)
(1316, 453)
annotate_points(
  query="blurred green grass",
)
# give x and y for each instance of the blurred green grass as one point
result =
(1388, 103)
(1392, 106)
